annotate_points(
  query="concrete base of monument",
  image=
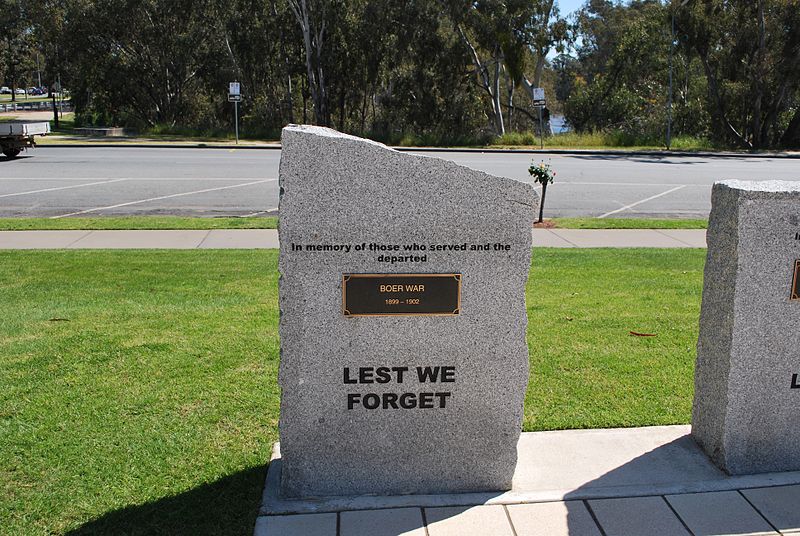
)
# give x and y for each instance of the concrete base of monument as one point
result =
(562, 465)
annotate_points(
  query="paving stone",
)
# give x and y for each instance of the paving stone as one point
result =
(468, 521)
(618, 238)
(296, 525)
(695, 238)
(39, 239)
(188, 239)
(780, 505)
(721, 512)
(241, 239)
(545, 238)
(637, 516)
(388, 522)
(552, 519)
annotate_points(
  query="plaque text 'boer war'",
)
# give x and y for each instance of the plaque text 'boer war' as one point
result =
(401, 294)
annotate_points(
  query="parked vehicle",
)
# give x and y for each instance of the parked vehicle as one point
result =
(17, 136)
(5, 90)
(20, 91)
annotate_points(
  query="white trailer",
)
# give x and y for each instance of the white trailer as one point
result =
(18, 135)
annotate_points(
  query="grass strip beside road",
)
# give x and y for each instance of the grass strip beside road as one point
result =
(628, 223)
(138, 389)
(104, 223)
(613, 140)
(115, 223)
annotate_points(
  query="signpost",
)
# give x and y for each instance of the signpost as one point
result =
(55, 88)
(235, 96)
(539, 102)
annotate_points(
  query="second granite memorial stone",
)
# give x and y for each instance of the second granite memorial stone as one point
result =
(747, 393)
(404, 361)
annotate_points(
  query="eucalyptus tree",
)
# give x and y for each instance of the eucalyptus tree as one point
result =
(16, 44)
(619, 79)
(750, 54)
(312, 17)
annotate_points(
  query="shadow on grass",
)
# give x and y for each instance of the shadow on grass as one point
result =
(225, 507)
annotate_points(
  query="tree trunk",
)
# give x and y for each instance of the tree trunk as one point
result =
(492, 88)
(364, 107)
(304, 92)
(510, 104)
(55, 111)
(282, 38)
(312, 42)
(541, 52)
(322, 92)
(498, 112)
(289, 100)
(759, 79)
(537, 74)
(341, 108)
(720, 106)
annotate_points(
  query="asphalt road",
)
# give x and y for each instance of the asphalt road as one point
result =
(71, 181)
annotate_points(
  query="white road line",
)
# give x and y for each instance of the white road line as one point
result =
(60, 188)
(159, 198)
(626, 207)
(259, 212)
(143, 179)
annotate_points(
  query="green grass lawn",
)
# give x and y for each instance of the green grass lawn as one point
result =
(179, 222)
(138, 389)
(587, 370)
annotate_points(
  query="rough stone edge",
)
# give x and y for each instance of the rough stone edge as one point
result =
(312, 131)
(272, 505)
(770, 186)
(709, 411)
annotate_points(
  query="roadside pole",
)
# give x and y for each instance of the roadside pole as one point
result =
(539, 102)
(235, 96)
(53, 89)
(60, 98)
(541, 129)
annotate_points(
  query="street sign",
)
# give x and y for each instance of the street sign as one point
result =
(235, 96)
(538, 96)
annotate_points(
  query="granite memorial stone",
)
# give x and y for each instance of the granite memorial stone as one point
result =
(404, 361)
(746, 413)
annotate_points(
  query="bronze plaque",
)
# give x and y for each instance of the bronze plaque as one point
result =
(796, 281)
(401, 294)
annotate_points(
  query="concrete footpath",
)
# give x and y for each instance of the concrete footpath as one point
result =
(633, 481)
(268, 239)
